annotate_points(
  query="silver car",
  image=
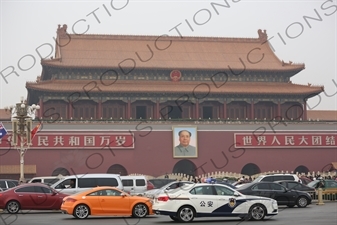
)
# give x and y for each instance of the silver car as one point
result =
(167, 188)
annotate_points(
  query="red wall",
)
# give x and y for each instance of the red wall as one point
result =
(153, 156)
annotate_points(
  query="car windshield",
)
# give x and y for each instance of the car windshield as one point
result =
(159, 183)
(313, 183)
(257, 180)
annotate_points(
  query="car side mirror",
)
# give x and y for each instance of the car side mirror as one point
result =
(286, 190)
(123, 194)
(53, 193)
(236, 194)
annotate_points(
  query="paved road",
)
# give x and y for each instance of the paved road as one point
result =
(313, 214)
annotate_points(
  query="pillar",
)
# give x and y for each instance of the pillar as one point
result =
(128, 109)
(70, 110)
(99, 110)
(251, 110)
(279, 116)
(225, 110)
(197, 110)
(40, 112)
(305, 115)
(157, 110)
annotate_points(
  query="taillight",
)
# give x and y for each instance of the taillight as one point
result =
(150, 186)
(163, 199)
(70, 200)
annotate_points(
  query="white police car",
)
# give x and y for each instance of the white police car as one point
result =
(210, 200)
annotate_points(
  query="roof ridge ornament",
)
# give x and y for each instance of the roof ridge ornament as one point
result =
(62, 31)
(262, 35)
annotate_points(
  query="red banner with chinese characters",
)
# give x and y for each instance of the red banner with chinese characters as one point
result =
(78, 140)
(285, 140)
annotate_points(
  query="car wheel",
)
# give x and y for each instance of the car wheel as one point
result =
(302, 202)
(81, 211)
(257, 212)
(291, 206)
(174, 218)
(13, 207)
(139, 210)
(186, 214)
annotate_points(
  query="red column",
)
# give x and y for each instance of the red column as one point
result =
(157, 110)
(40, 111)
(197, 110)
(225, 110)
(252, 110)
(305, 111)
(99, 110)
(70, 110)
(129, 109)
(279, 110)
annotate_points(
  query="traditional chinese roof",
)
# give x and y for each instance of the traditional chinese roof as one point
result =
(197, 53)
(322, 115)
(155, 86)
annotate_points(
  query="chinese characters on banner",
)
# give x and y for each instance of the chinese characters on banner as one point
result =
(285, 140)
(82, 140)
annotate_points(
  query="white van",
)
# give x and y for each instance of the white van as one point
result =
(76, 183)
(46, 180)
(134, 185)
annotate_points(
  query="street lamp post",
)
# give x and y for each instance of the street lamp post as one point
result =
(22, 116)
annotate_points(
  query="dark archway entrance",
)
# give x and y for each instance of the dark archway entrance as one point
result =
(301, 169)
(250, 169)
(185, 166)
(118, 169)
(60, 170)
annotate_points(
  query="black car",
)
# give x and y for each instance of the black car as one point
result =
(227, 184)
(294, 185)
(281, 194)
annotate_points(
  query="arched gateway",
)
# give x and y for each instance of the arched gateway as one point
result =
(250, 169)
(185, 166)
(60, 170)
(118, 169)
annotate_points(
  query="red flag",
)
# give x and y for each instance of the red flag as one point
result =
(35, 130)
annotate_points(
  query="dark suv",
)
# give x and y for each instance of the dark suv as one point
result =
(7, 183)
(277, 177)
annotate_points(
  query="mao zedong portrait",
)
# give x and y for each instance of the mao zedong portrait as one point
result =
(184, 148)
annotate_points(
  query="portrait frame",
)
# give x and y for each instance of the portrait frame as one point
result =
(180, 151)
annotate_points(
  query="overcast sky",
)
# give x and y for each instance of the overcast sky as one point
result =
(26, 25)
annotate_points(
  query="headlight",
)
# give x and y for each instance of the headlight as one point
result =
(274, 204)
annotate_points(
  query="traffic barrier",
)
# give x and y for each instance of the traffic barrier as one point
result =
(325, 196)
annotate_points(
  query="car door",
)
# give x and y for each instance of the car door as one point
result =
(46, 199)
(330, 186)
(39, 197)
(226, 200)
(26, 197)
(95, 203)
(113, 202)
(3, 185)
(280, 194)
(262, 189)
(64, 187)
(204, 199)
(140, 186)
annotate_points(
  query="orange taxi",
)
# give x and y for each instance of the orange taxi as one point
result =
(103, 201)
